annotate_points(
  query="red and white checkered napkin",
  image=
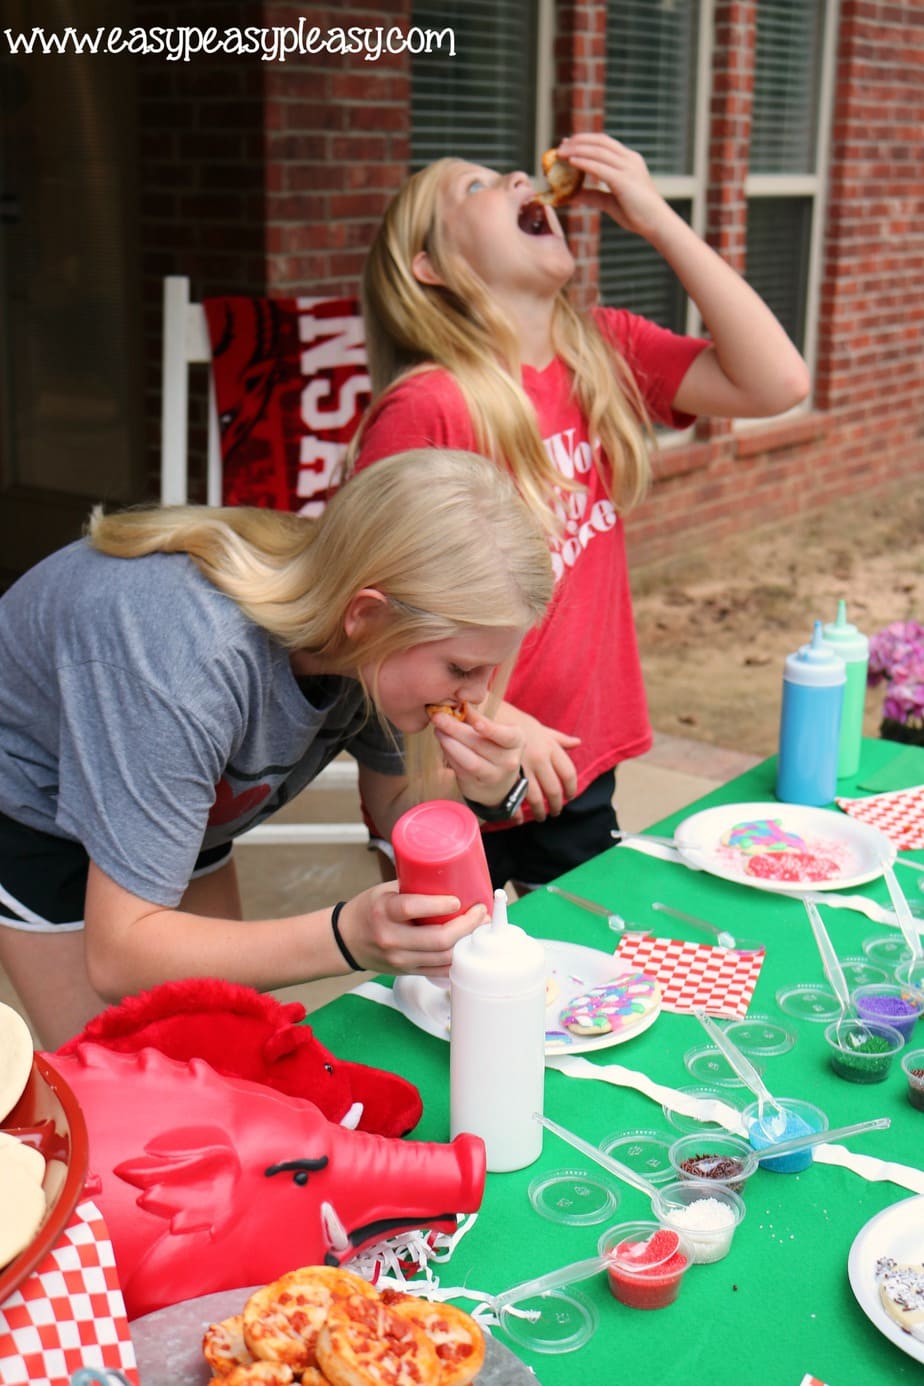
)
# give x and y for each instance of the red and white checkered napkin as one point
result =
(69, 1313)
(694, 975)
(899, 814)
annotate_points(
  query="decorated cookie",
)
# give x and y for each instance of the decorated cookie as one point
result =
(762, 835)
(611, 1007)
(551, 990)
(901, 1292)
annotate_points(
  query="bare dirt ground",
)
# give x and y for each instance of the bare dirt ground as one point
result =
(714, 629)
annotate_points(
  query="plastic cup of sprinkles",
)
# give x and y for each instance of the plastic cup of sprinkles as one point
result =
(717, 1157)
(801, 1117)
(703, 1212)
(913, 1069)
(862, 1051)
(889, 1003)
(646, 1263)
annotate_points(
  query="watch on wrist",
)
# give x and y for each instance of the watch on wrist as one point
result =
(498, 813)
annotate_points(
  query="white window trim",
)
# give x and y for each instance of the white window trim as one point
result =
(545, 81)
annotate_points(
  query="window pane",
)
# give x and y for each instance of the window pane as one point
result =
(480, 104)
(785, 122)
(651, 64)
(634, 276)
(778, 248)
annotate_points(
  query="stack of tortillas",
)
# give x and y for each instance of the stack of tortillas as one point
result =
(22, 1167)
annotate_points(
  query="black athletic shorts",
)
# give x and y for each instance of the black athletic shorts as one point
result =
(534, 853)
(43, 879)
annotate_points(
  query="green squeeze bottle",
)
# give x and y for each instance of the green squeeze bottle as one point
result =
(853, 648)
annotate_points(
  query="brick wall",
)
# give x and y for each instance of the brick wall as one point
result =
(866, 429)
(336, 149)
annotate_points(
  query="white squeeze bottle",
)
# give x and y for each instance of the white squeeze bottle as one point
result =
(497, 1040)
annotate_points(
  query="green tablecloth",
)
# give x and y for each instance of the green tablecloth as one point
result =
(780, 1304)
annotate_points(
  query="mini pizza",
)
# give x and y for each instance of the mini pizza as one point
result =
(457, 710)
(283, 1320)
(223, 1346)
(563, 178)
(256, 1374)
(458, 1339)
(365, 1342)
(313, 1376)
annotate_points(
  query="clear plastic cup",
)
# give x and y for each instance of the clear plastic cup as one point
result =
(801, 1117)
(705, 1214)
(861, 1051)
(714, 1156)
(911, 973)
(890, 1003)
(647, 1263)
(913, 1068)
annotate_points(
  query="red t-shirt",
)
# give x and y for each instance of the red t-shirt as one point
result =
(578, 671)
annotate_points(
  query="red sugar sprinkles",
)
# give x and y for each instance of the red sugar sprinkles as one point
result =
(647, 1274)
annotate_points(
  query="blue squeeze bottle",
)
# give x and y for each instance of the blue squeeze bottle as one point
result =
(810, 723)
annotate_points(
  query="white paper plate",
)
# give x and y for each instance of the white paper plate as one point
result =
(898, 1232)
(573, 968)
(857, 848)
(168, 1344)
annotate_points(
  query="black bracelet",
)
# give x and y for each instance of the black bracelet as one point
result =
(338, 938)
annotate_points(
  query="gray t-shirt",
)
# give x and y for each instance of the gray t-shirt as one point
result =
(145, 716)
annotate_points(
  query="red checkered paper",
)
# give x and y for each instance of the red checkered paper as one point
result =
(899, 814)
(694, 976)
(69, 1313)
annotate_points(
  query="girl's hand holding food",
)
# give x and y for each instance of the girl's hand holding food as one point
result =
(485, 756)
(631, 197)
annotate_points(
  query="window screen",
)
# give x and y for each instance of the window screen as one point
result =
(779, 230)
(784, 127)
(650, 105)
(634, 276)
(479, 104)
(650, 79)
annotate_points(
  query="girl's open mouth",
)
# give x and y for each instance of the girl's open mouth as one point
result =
(532, 219)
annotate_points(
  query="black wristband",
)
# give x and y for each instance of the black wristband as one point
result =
(338, 938)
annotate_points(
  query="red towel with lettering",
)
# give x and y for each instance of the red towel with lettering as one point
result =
(291, 385)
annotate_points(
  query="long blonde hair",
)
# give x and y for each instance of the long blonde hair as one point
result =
(443, 534)
(410, 326)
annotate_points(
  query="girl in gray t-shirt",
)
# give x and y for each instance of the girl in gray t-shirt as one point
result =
(179, 675)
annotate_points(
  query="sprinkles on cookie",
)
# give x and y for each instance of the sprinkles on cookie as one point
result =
(611, 1007)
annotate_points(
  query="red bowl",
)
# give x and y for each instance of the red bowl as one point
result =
(48, 1116)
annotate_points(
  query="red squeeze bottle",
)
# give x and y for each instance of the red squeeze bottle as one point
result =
(438, 851)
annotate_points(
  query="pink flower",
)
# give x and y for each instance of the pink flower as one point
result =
(897, 655)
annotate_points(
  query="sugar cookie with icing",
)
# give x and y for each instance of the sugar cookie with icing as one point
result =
(762, 835)
(614, 1006)
(901, 1293)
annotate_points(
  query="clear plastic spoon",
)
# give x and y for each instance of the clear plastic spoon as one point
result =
(615, 921)
(605, 1161)
(553, 1280)
(770, 1115)
(836, 1133)
(835, 975)
(722, 936)
(903, 912)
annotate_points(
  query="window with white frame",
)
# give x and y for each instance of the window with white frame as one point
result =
(481, 102)
(784, 187)
(657, 59)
